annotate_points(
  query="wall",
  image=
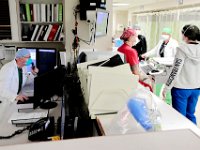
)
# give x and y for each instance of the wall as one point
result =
(14, 20)
(101, 43)
(119, 18)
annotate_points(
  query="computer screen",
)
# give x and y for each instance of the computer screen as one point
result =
(46, 60)
(48, 85)
(33, 52)
(101, 22)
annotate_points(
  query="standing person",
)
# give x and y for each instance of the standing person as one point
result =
(141, 45)
(14, 75)
(129, 37)
(166, 47)
(184, 78)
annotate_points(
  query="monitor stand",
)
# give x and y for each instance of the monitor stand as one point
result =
(48, 105)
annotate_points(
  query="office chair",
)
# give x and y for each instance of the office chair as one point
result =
(1, 61)
(2, 54)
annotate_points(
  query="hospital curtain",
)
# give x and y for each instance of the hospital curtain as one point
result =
(153, 23)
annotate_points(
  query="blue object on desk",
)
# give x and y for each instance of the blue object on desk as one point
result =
(139, 110)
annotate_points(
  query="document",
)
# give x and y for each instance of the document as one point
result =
(23, 118)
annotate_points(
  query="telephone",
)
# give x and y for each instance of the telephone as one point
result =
(42, 129)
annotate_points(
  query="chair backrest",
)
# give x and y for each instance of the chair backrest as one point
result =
(2, 52)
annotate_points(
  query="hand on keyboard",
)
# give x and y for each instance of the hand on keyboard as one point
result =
(21, 98)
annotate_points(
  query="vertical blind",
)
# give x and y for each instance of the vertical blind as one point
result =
(5, 28)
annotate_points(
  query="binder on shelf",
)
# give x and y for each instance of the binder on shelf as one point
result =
(39, 32)
(31, 12)
(34, 33)
(57, 33)
(25, 32)
(43, 12)
(38, 13)
(53, 32)
(48, 32)
(28, 13)
(48, 12)
(23, 12)
(39, 27)
(35, 13)
(52, 13)
(44, 30)
(55, 12)
(31, 30)
(60, 12)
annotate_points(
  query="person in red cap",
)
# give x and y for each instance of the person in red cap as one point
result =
(129, 37)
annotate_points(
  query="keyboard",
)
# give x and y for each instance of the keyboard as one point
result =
(30, 100)
(147, 68)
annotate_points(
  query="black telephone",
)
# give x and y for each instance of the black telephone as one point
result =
(42, 129)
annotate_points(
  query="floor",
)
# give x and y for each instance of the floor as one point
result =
(168, 100)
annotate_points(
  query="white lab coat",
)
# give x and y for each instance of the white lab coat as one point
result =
(9, 81)
(169, 51)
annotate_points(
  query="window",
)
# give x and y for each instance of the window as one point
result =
(5, 28)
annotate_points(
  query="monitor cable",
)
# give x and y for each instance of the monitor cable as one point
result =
(17, 132)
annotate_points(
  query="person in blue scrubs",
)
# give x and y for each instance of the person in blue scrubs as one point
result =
(184, 80)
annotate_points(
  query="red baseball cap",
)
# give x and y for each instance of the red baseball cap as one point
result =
(127, 33)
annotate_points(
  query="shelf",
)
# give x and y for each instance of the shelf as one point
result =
(40, 1)
(40, 23)
(59, 45)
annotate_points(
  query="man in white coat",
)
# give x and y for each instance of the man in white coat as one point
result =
(14, 75)
(166, 47)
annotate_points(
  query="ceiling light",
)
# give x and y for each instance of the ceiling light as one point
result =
(120, 4)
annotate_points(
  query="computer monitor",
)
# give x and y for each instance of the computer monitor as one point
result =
(47, 85)
(101, 25)
(33, 52)
(46, 60)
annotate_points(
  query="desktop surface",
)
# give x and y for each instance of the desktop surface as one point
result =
(167, 140)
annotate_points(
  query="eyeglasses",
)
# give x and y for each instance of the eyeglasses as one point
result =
(27, 57)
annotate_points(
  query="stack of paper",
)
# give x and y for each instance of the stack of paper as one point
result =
(25, 118)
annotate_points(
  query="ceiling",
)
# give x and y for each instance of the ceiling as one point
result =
(133, 3)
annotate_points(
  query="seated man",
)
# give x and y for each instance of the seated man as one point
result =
(14, 75)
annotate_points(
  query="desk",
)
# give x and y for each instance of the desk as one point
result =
(171, 119)
(7, 128)
(167, 140)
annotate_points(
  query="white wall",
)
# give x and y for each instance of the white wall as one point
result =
(14, 21)
(119, 18)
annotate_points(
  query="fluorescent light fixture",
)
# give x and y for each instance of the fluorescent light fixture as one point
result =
(120, 4)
